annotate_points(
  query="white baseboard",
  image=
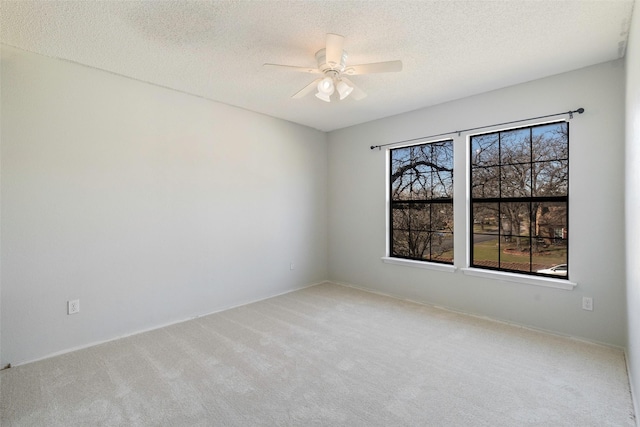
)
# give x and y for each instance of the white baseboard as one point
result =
(477, 316)
(163, 325)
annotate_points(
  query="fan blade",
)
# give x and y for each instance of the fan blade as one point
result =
(334, 49)
(376, 67)
(357, 93)
(294, 68)
(307, 89)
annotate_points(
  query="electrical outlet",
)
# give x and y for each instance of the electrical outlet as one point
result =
(73, 306)
(292, 266)
(587, 303)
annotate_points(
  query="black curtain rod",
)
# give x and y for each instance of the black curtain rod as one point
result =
(570, 113)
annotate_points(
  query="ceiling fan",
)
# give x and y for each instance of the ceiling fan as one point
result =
(332, 64)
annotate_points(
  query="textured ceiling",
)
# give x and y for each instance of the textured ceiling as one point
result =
(215, 49)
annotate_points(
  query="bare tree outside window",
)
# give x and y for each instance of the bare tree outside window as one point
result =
(519, 200)
(421, 179)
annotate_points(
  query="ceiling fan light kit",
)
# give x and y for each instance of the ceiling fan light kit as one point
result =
(332, 64)
(343, 89)
(328, 85)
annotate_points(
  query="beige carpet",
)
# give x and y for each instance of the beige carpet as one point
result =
(326, 355)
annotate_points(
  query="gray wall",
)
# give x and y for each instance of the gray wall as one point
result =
(149, 205)
(357, 205)
(633, 202)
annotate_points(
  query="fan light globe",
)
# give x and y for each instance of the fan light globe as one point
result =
(325, 89)
(343, 89)
(323, 96)
(326, 86)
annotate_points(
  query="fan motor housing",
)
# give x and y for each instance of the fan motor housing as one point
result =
(321, 57)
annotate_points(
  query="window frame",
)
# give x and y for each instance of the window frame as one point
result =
(430, 262)
(530, 276)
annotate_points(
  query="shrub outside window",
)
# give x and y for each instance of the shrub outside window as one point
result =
(519, 200)
(421, 202)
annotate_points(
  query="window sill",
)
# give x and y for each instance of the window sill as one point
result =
(521, 278)
(419, 264)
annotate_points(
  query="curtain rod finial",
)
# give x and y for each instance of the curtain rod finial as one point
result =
(580, 110)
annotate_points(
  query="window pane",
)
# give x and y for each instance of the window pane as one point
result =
(442, 246)
(442, 155)
(421, 185)
(399, 245)
(515, 245)
(485, 182)
(411, 244)
(551, 178)
(515, 147)
(551, 222)
(485, 250)
(550, 253)
(485, 218)
(441, 185)
(421, 159)
(515, 219)
(515, 254)
(400, 216)
(400, 189)
(410, 179)
(411, 217)
(442, 217)
(410, 185)
(550, 142)
(485, 150)
(411, 224)
(543, 266)
(401, 174)
(485, 238)
(515, 180)
(420, 245)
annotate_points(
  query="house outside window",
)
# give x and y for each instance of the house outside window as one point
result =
(519, 200)
(421, 202)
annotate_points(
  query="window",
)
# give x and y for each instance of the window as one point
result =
(519, 200)
(421, 202)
